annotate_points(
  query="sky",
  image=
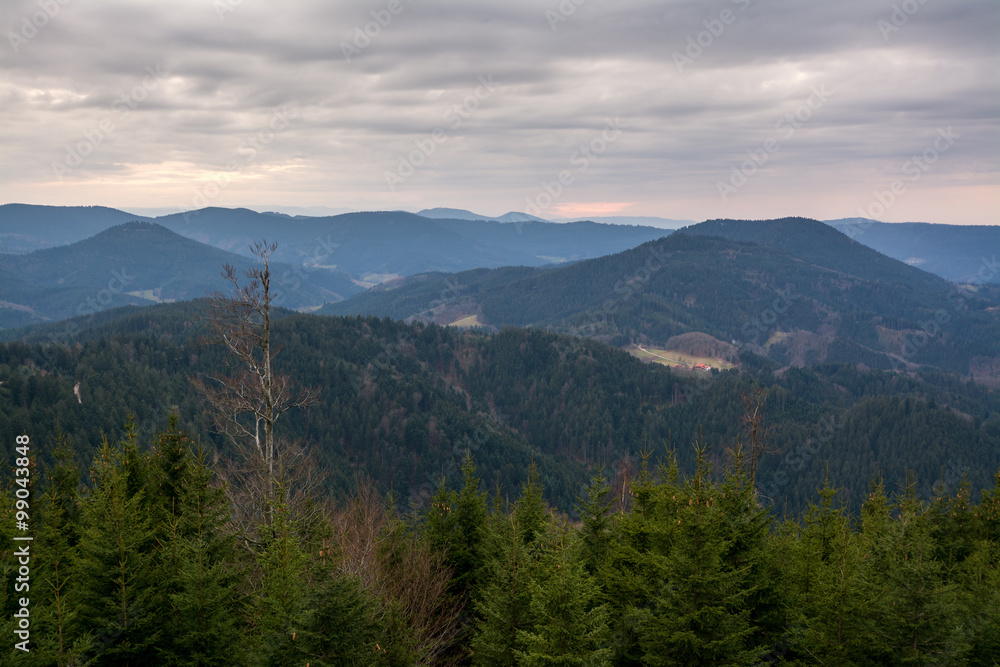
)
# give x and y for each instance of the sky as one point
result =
(888, 109)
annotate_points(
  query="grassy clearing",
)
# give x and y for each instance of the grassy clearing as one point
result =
(468, 321)
(675, 358)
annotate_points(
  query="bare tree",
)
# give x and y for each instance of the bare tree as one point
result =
(753, 425)
(401, 570)
(249, 399)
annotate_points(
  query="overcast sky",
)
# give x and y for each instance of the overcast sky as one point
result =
(680, 109)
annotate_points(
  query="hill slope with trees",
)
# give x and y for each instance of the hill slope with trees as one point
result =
(406, 403)
(799, 310)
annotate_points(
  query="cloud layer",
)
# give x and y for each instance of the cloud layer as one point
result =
(731, 108)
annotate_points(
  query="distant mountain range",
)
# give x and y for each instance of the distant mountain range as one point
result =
(370, 246)
(311, 235)
(960, 253)
(795, 290)
(139, 263)
(514, 216)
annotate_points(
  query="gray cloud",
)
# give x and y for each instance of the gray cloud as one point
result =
(686, 127)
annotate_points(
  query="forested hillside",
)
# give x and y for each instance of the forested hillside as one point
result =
(792, 308)
(405, 403)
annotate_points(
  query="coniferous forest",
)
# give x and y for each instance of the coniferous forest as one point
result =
(155, 564)
(163, 549)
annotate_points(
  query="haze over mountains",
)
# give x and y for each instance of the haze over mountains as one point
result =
(795, 290)
(953, 252)
(811, 296)
(139, 263)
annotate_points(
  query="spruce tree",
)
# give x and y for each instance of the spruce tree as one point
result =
(595, 531)
(457, 527)
(336, 629)
(116, 582)
(877, 542)
(639, 541)
(503, 608)
(277, 607)
(701, 616)
(531, 512)
(829, 602)
(980, 579)
(210, 626)
(926, 609)
(571, 624)
(55, 596)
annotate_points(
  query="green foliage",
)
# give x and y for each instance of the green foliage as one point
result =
(199, 582)
(503, 608)
(283, 564)
(56, 599)
(116, 583)
(702, 610)
(336, 629)
(570, 625)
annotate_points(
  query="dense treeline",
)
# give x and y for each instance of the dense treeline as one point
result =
(404, 403)
(146, 567)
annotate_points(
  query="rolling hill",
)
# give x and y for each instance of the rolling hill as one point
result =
(817, 297)
(137, 263)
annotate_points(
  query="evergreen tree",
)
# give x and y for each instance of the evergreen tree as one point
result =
(55, 598)
(116, 584)
(829, 601)
(531, 512)
(457, 527)
(981, 591)
(571, 625)
(926, 612)
(595, 531)
(210, 627)
(278, 605)
(701, 616)
(504, 606)
(877, 542)
(640, 539)
(168, 471)
(337, 628)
